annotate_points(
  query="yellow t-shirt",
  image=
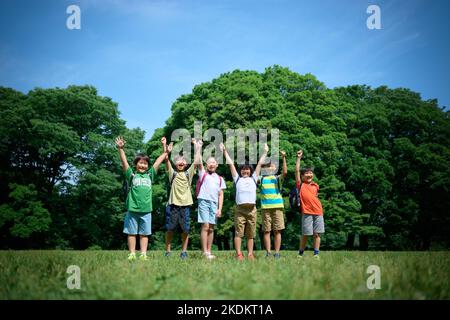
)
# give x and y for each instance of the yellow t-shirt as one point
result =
(180, 192)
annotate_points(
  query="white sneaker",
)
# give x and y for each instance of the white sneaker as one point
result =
(208, 255)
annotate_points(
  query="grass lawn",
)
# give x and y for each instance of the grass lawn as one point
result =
(337, 275)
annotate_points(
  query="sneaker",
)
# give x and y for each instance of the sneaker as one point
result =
(240, 256)
(143, 257)
(268, 254)
(276, 255)
(208, 256)
(251, 257)
(183, 255)
(131, 256)
(316, 256)
(167, 254)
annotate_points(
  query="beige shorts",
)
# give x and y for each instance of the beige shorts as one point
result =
(245, 221)
(273, 219)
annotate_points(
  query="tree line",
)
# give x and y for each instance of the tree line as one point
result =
(381, 158)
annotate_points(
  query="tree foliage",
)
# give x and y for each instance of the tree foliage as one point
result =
(381, 158)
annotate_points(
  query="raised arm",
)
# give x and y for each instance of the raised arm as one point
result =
(194, 143)
(283, 155)
(161, 158)
(297, 166)
(198, 154)
(234, 173)
(123, 158)
(167, 149)
(261, 160)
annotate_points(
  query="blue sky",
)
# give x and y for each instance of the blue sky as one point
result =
(145, 54)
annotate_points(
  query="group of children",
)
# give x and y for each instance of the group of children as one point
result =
(209, 193)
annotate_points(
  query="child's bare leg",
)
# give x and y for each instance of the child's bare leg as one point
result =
(237, 244)
(204, 237)
(131, 243)
(184, 241)
(267, 241)
(250, 243)
(143, 241)
(316, 241)
(169, 237)
(303, 241)
(277, 240)
(210, 237)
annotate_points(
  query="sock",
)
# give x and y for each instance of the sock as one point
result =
(300, 252)
(316, 252)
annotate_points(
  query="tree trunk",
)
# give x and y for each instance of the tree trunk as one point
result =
(350, 245)
(363, 242)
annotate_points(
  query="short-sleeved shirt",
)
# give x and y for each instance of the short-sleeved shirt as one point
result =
(180, 191)
(270, 194)
(139, 198)
(310, 202)
(211, 186)
(245, 189)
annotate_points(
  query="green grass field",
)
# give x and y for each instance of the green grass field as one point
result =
(337, 275)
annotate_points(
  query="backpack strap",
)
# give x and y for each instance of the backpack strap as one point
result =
(130, 182)
(174, 174)
(199, 185)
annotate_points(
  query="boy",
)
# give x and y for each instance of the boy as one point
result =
(272, 204)
(138, 219)
(310, 208)
(180, 199)
(210, 200)
(245, 213)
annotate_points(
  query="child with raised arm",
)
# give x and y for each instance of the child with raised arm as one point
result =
(180, 198)
(310, 206)
(209, 192)
(245, 213)
(272, 204)
(138, 220)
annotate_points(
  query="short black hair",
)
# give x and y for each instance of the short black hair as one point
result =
(140, 157)
(306, 169)
(245, 166)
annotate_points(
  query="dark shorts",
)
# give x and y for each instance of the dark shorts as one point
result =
(175, 216)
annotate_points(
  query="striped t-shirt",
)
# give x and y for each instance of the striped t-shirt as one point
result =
(270, 193)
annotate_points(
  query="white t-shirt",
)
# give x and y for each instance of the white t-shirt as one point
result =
(245, 189)
(211, 186)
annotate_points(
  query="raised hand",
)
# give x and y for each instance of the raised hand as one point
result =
(170, 147)
(266, 148)
(299, 154)
(120, 142)
(283, 154)
(222, 147)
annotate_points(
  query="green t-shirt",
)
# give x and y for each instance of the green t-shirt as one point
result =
(139, 198)
(180, 192)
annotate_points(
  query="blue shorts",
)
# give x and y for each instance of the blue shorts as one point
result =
(176, 215)
(138, 223)
(207, 211)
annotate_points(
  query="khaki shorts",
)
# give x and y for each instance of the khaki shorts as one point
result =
(273, 219)
(245, 221)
